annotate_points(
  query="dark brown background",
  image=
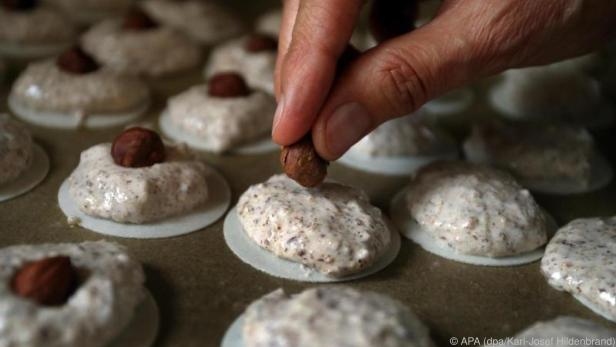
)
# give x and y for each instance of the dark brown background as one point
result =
(201, 286)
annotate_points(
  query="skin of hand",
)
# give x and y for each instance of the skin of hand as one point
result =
(465, 41)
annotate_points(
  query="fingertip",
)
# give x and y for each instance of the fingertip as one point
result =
(288, 126)
(287, 133)
(304, 84)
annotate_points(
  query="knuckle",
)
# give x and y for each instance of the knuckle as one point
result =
(402, 85)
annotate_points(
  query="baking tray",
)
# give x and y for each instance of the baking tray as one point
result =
(201, 286)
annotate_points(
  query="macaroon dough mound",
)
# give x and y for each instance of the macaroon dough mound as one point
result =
(222, 123)
(16, 150)
(332, 317)
(476, 210)
(156, 52)
(331, 228)
(548, 93)
(256, 67)
(204, 21)
(41, 25)
(110, 288)
(103, 189)
(43, 86)
(580, 260)
(404, 136)
(528, 151)
(75, 8)
(269, 22)
(556, 331)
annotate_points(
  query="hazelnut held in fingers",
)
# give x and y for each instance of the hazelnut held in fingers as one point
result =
(301, 162)
(50, 281)
(138, 147)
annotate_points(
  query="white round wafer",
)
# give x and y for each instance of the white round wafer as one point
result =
(410, 229)
(63, 120)
(214, 208)
(259, 258)
(33, 175)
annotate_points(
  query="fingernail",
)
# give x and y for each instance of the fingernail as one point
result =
(278, 113)
(347, 125)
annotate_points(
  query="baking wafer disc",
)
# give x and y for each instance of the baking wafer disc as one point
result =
(234, 336)
(394, 166)
(259, 258)
(62, 120)
(594, 307)
(209, 213)
(30, 178)
(143, 328)
(411, 230)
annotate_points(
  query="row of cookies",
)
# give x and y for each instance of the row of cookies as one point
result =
(352, 253)
(415, 142)
(32, 29)
(91, 294)
(255, 234)
(342, 316)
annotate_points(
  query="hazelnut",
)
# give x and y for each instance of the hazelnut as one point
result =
(261, 43)
(227, 85)
(138, 147)
(76, 61)
(136, 19)
(391, 18)
(19, 5)
(301, 162)
(50, 281)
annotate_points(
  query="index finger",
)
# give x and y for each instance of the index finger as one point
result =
(320, 34)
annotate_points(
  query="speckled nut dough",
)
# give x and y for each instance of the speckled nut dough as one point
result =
(405, 136)
(101, 307)
(580, 260)
(269, 22)
(222, 122)
(43, 86)
(550, 151)
(155, 52)
(548, 93)
(204, 21)
(40, 25)
(257, 68)
(332, 317)
(137, 195)
(476, 210)
(332, 229)
(15, 149)
(562, 332)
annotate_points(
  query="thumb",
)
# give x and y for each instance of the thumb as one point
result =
(392, 80)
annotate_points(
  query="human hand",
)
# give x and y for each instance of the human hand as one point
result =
(467, 40)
